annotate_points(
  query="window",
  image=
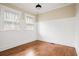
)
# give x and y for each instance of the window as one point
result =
(30, 22)
(11, 19)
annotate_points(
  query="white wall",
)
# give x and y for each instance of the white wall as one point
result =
(63, 31)
(10, 39)
(77, 35)
(58, 31)
(56, 28)
(77, 30)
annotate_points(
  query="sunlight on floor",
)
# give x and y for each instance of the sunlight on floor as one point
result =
(30, 52)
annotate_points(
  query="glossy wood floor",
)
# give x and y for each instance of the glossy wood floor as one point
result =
(40, 48)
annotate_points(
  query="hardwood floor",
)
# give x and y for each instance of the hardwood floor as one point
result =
(40, 48)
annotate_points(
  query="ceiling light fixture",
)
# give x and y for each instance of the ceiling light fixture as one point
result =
(38, 6)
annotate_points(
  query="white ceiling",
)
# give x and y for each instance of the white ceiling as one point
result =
(30, 7)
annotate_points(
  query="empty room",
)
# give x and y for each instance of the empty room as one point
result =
(39, 29)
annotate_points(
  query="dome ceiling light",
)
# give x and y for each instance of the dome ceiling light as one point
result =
(38, 6)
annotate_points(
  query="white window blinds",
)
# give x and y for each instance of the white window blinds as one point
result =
(11, 19)
(30, 22)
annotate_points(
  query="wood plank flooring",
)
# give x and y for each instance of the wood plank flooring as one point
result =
(40, 48)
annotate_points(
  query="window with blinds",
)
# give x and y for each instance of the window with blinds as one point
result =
(11, 19)
(30, 22)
